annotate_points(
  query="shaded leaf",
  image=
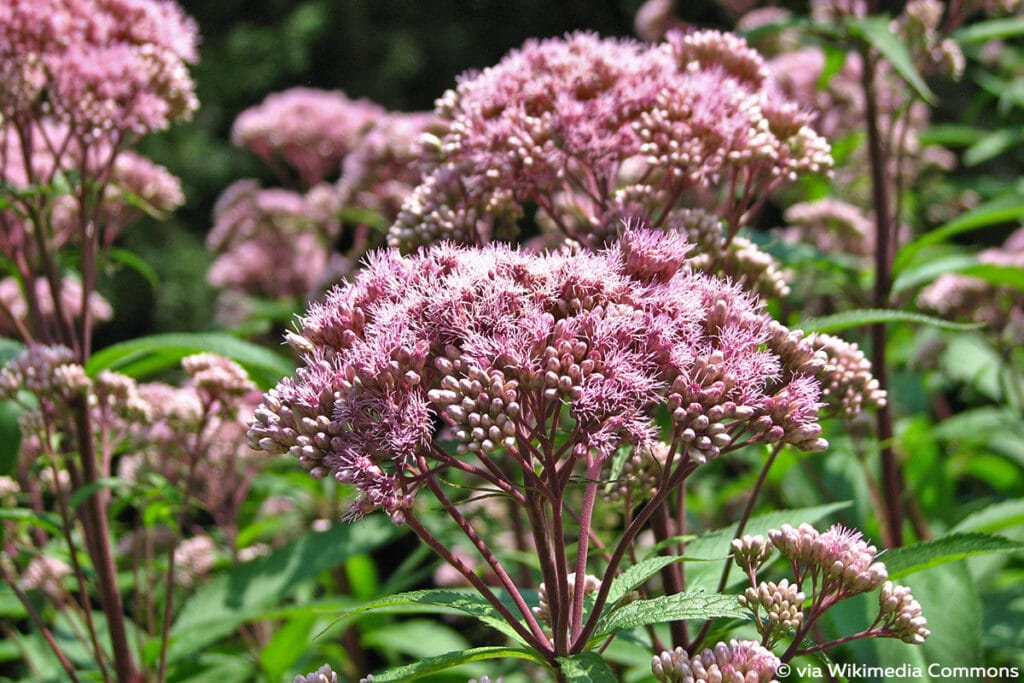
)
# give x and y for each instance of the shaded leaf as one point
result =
(432, 665)
(1002, 210)
(134, 262)
(956, 546)
(871, 316)
(875, 31)
(586, 667)
(243, 592)
(445, 601)
(144, 356)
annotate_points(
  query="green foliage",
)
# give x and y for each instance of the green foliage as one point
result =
(145, 356)
(950, 548)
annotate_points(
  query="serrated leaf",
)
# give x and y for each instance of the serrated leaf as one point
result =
(872, 316)
(637, 575)
(432, 665)
(586, 667)
(1002, 276)
(467, 602)
(674, 607)
(876, 32)
(1001, 210)
(992, 29)
(144, 356)
(950, 548)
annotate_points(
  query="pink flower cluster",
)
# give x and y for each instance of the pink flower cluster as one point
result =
(829, 567)
(596, 130)
(1000, 308)
(272, 242)
(98, 66)
(736, 661)
(309, 130)
(499, 345)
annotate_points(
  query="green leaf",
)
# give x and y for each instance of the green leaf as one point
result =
(930, 268)
(442, 601)
(871, 316)
(835, 58)
(636, 575)
(1002, 276)
(416, 639)
(144, 356)
(956, 546)
(433, 665)
(876, 32)
(586, 667)
(996, 517)
(47, 520)
(993, 29)
(9, 348)
(951, 135)
(674, 607)
(1001, 210)
(79, 496)
(10, 436)
(240, 594)
(287, 646)
(134, 262)
(991, 145)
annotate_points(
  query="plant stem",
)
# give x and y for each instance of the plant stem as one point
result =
(748, 510)
(892, 476)
(103, 560)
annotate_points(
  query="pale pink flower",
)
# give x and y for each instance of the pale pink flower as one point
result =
(739, 660)
(309, 130)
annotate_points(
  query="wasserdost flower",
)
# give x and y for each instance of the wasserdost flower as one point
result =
(738, 660)
(500, 346)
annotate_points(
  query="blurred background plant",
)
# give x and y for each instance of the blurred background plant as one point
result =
(259, 569)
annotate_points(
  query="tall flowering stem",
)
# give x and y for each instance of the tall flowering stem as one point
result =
(892, 477)
(82, 81)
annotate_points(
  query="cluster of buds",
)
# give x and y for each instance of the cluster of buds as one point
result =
(642, 470)
(829, 567)
(900, 614)
(325, 674)
(737, 660)
(840, 367)
(46, 574)
(782, 603)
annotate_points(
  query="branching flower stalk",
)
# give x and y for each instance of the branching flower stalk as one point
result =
(83, 81)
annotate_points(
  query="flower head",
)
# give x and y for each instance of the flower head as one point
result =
(325, 674)
(488, 341)
(739, 660)
(310, 130)
(582, 126)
